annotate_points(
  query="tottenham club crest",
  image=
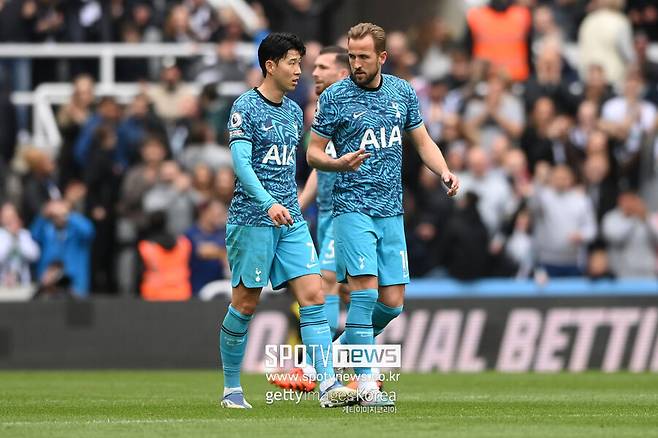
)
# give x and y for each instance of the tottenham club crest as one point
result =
(236, 120)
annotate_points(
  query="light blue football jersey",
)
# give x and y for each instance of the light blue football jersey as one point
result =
(326, 182)
(274, 131)
(355, 117)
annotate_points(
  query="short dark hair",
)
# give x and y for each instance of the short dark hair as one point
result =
(275, 46)
(342, 58)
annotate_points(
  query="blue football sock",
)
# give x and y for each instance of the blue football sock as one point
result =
(358, 328)
(332, 309)
(382, 315)
(232, 345)
(316, 335)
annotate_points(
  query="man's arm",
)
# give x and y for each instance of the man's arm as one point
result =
(310, 190)
(433, 158)
(241, 153)
(318, 158)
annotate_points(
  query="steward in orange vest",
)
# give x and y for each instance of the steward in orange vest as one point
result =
(499, 33)
(165, 259)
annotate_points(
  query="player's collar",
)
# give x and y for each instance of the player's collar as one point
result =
(268, 101)
(381, 82)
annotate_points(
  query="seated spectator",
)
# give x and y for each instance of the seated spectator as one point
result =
(54, 283)
(208, 260)
(564, 221)
(64, 237)
(631, 233)
(596, 87)
(165, 262)
(17, 249)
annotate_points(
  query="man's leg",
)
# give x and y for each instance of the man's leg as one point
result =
(388, 306)
(233, 337)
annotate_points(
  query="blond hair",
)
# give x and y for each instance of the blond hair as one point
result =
(363, 30)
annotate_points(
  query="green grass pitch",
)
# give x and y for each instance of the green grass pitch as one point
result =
(184, 404)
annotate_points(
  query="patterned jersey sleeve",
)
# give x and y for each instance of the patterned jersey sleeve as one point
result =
(327, 116)
(239, 124)
(414, 118)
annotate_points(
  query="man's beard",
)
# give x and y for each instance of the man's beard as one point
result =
(367, 79)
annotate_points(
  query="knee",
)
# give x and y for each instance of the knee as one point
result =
(312, 298)
(246, 306)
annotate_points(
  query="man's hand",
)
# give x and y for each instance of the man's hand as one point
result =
(451, 182)
(353, 160)
(279, 215)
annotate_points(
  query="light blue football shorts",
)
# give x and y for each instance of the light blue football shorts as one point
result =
(368, 245)
(259, 254)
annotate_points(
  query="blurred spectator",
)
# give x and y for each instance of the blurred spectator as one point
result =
(535, 141)
(601, 187)
(140, 123)
(169, 95)
(563, 221)
(648, 68)
(224, 184)
(495, 198)
(172, 193)
(203, 149)
(65, 237)
(202, 180)
(177, 28)
(108, 112)
(203, 21)
(497, 112)
(434, 209)
(631, 232)
(48, 25)
(165, 261)
(499, 33)
(644, 17)
(598, 262)
(208, 260)
(596, 87)
(102, 177)
(549, 81)
(586, 123)
(17, 249)
(545, 30)
(464, 243)
(16, 23)
(136, 183)
(431, 44)
(71, 118)
(519, 247)
(54, 283)
(605, 38)
(630, 120)
(8, 125)
(39, 184)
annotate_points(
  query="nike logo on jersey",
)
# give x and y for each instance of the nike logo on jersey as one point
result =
(357, 115)
(311, 265)
(268, 128)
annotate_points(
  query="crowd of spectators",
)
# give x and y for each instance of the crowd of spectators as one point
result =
(558, 155)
